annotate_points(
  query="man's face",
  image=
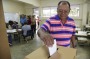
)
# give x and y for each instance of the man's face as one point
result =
(63, 11)
(23, 16)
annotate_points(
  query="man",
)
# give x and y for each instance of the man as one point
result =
(23, 19)
(37, 22)
(59, 27)
(25, 28)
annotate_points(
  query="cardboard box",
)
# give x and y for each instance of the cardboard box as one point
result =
(42, 53)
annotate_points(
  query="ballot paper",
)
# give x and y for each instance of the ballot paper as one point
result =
(53, 48)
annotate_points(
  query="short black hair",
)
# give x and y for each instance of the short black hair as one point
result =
(64, 2)
(25, 23)
(10, 22)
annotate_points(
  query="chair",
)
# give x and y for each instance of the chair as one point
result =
(29, 33)
(82, 38)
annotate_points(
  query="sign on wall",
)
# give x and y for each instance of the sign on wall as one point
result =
(11, 16)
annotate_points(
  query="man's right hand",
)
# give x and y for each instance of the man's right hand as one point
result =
(46, 37)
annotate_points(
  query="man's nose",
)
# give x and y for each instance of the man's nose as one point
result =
(63, 12)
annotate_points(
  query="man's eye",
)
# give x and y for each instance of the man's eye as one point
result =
(63, 11)
(60, 11)
(66, 11)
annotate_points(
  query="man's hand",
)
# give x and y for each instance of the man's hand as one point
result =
(45, 37)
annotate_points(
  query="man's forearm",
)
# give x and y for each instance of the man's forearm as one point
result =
(41, 32)
(45, 37)
(73, 41)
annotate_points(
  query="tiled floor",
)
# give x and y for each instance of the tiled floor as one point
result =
(83, 52)
(20, 50)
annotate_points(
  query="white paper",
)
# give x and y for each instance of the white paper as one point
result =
(53, 49)
(11, 31)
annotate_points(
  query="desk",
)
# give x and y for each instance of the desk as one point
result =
(13, 30)
(83, 41)
(19, 29)
(87, 26)
(83, 37)
(81, 33)
(16, 33)
(77, 34)
(88, 34)
(78, 29)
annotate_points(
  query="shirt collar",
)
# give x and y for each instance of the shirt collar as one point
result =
(57, 17)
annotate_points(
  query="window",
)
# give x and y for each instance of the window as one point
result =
(49, 11)
(46, 12)
(36, 11)
(75, 11)
(11, 16)
(53, 11)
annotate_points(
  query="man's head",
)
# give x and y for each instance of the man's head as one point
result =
(63, 9)
(25, 23)
(23, 16)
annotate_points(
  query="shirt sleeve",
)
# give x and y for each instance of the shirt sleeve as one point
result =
(46, 26)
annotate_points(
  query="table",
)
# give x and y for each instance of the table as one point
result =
(83, 37)
(81, 33)
(87, 26)
(16, 33)
(78, 29)
(88, 34)
(13, 30)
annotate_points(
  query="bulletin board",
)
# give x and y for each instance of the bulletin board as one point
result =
(11, 16)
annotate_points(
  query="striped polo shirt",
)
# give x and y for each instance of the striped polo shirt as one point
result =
(61, 32)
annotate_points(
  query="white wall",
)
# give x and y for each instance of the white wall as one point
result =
(18, 7)
(29, 9)
(45, 3)
(89, 13)
(33, 2)
(84, 17)
(13, 6)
